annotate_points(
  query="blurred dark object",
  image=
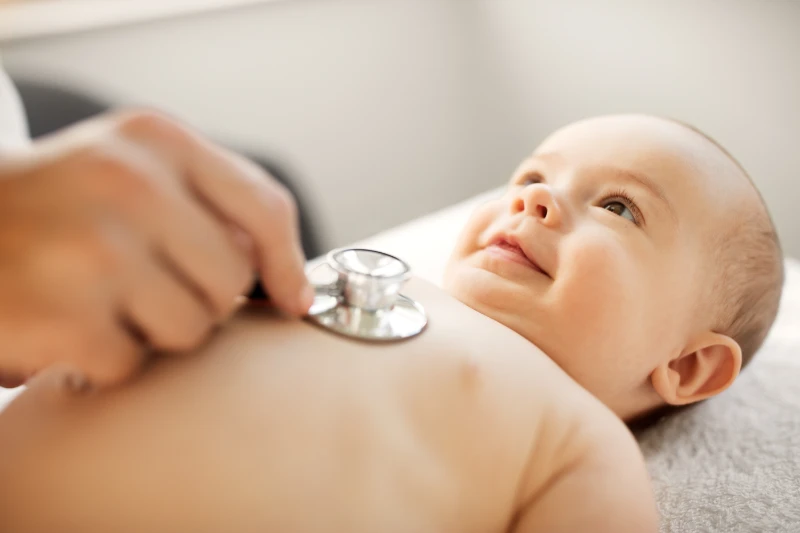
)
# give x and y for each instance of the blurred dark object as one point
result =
(50, 107)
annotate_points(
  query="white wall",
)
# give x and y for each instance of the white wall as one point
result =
(731, 68)
(367, 101)
(387, 109)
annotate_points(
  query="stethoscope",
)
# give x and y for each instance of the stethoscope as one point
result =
(357, 294)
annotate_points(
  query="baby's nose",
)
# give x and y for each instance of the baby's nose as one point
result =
(538, 201)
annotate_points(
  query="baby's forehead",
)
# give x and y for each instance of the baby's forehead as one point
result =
(681, 161)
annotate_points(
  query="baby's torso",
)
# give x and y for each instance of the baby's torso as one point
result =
(278, 425)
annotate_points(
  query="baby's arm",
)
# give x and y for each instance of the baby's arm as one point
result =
(606, 490)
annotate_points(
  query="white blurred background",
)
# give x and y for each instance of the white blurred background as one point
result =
(384, 110)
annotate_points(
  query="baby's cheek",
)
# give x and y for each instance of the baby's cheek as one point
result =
(606, 267)
(467, 243)
(608, 293)
(480, 221)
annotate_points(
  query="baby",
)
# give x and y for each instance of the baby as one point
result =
(630, 265)
(661, 303)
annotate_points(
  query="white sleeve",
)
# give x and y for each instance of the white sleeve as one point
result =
(13, 126)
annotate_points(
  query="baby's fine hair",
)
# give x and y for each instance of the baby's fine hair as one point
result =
(747, 289)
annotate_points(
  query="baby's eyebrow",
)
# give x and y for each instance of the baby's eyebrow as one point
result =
(643, 180)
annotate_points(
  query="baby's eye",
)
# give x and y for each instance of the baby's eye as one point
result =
(618, 208)
(530, 178)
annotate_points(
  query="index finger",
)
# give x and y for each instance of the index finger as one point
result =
(266, 211)
(246, 196)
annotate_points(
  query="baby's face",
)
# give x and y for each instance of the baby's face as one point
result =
(595, 252)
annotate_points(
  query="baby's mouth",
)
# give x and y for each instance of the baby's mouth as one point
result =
(508, 249)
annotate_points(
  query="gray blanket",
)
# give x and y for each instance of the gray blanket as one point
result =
(732, 464)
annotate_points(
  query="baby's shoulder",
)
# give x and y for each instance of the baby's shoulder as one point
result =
(601, 482)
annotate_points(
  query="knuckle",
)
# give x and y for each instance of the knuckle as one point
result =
(112, 175)
(134, 190)
(280, 203)
(81, 255)
(98, 163)
(143, 121)
(153, 125)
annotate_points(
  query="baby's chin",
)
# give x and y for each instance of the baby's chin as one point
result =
(483, 292)
(454, 284)
(449, 279)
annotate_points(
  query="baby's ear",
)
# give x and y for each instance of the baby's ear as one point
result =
(707, 367)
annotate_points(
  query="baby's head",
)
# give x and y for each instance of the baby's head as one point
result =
(636, 253)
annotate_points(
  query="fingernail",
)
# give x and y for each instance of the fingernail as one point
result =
(76, 382)
(306, 299)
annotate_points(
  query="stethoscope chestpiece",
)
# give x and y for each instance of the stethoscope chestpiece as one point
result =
(358, 295)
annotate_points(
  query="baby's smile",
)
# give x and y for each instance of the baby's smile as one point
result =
(512, 249)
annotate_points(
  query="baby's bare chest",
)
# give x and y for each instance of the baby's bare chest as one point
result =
(425, 434)
(436, 433)
(281, 426)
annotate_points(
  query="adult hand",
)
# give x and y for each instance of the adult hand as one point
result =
(131, 231)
